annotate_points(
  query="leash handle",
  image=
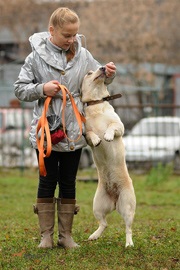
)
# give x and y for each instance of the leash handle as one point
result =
(44, 127)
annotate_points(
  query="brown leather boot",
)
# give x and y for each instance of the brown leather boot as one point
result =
(45, 209)
(66, 209)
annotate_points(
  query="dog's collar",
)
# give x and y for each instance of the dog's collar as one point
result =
(93, 102)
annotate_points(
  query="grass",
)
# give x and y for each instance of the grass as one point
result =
(155, 228)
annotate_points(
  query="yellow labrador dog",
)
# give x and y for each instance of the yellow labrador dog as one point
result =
(104, 131)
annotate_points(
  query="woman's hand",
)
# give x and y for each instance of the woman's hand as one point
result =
(51, 88)
(110, 69)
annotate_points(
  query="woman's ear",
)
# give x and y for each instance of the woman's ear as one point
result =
(51, 30)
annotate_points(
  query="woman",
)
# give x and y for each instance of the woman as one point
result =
(57, 57)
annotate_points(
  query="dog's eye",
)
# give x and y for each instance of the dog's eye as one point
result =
(89, 73)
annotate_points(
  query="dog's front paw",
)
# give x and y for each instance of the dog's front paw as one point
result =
(109, 136)
(96, 141)
(92, 138)
(120, 132)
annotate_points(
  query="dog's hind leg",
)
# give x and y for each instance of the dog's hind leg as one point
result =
(126, 207)
(102, 205)
(101, 228)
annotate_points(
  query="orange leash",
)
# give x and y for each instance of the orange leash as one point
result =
(44, 127)
(80, 118)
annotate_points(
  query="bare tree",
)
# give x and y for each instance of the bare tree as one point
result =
(118, 30)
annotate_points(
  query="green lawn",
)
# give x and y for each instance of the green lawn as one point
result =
(155, 229)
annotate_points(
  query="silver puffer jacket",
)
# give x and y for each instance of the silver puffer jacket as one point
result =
(48, 62)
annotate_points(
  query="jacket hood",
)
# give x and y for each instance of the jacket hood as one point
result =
(40, 44)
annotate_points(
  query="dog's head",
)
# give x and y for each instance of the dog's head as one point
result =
(93, 86)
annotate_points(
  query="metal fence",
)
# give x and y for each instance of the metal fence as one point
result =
(16, 151)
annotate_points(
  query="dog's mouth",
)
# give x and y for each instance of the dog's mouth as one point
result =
(102, 74)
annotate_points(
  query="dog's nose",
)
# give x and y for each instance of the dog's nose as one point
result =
(102, 69)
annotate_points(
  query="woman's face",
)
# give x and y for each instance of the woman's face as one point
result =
(65, 36)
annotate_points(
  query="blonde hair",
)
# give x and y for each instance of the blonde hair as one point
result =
(63, 15)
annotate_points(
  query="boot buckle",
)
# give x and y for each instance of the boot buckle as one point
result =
(76, 209)
(35, 209)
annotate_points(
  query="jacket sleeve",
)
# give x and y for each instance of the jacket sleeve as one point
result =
(26, 88)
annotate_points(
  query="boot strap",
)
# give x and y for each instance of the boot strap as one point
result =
(76, 210)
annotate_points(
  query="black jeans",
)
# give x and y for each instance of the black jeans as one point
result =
(61, 169)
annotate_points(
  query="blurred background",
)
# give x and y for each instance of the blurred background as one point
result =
(141, 37)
